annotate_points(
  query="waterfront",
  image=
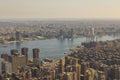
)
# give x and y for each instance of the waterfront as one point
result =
(51, 48)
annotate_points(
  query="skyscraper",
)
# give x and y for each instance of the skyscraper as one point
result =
(36, 59)
(17, 60)
(5, 57)
(14, 52)
(24, 52)
(62, 65)
(5, 66)
(18, 36)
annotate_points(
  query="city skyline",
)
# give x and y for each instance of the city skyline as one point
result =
(80, 9)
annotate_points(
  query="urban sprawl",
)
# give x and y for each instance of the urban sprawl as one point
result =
(92, 60)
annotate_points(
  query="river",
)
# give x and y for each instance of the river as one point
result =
(51, 48)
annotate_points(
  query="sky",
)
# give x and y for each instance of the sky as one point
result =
(80, 9)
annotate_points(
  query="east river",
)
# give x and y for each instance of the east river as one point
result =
(51, 48)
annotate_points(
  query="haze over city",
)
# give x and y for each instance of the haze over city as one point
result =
(59, 40)
(80, 9)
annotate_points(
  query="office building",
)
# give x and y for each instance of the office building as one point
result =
(36, 59)
(5, 57)
(18, 36)
(115, 73)
(62, 66)
(69, 76)
(5, 66)
(17, 60)
(24, 52)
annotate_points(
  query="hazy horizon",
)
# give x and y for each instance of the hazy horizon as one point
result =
(59, 9)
